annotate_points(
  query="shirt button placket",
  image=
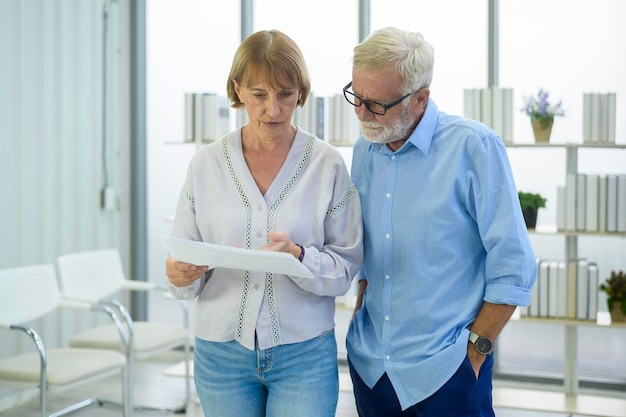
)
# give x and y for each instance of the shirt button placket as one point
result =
(388, 226)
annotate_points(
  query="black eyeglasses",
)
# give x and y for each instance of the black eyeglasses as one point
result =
(373, 106)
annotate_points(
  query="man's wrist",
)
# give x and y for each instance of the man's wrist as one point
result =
(483, 345)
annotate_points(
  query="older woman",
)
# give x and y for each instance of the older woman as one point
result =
(265, 343)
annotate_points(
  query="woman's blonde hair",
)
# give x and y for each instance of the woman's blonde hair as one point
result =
(270, 56)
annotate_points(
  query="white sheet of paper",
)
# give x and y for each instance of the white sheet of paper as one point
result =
(202, 253)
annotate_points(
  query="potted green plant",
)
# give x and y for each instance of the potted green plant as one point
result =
(542, 114)
(615, 289)
(530, 203)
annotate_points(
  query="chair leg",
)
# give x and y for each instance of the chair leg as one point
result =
(74, 407)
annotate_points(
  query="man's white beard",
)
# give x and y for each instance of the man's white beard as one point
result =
(378, 133)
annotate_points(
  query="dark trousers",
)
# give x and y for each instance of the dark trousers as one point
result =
(462, 396)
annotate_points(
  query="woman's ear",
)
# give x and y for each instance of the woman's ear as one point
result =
(237, 89)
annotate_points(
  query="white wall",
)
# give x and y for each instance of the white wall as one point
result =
(54, 151)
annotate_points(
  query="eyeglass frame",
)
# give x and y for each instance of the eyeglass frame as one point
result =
(369, 102)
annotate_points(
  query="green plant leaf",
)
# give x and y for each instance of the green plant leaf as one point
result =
(531, 200)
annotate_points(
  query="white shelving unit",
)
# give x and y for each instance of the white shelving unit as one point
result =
(570, 371)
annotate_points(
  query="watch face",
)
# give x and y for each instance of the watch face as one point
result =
(483, 345)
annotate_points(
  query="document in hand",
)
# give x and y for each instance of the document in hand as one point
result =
(202, 253)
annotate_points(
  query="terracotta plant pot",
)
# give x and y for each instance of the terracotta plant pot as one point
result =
(617, 315)
(542, 128)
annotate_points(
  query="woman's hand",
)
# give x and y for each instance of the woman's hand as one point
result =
(281, 242)
(181, 274)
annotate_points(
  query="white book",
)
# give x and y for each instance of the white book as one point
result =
(197, 117)
(561, 302)
(336, 103)
(468, 104)
(586, 117)
(560, 208)
(477, 106)
(595, 117)
(603, 134)
(571, 289)
(217, 117)
(320, 125)
(611, 115)
(570, 202)
(310, 110)
(497, 110)
(611, 203)
(582, 290)
(533, 308)
(542, 283)
(593, 274)
(621, 203)
(209, 116)
(189, 113)
(602, 203)
(508, 115)
(580, 201)
(592, 193)
(485, 106)
(553, 289)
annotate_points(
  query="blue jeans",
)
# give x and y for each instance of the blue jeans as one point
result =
(299, 379)
(462, 396)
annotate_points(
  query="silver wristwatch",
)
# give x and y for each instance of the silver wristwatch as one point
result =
(484, 345)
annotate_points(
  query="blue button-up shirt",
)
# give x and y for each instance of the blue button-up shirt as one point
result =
(443, 232)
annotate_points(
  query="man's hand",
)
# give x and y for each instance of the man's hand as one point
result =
(475, 358)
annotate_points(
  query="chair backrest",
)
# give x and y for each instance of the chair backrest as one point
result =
(27, 293)
(96, 274)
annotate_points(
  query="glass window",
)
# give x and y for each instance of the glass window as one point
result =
(325, 30)
(566, 47)
(457, 29)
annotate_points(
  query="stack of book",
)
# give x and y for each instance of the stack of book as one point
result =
(310, 117)
(491, 106)
(599, 113)
(207, 117)
(564, 290)
(343, 124)
(592, 203)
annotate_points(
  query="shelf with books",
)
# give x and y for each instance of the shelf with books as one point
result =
(576, 219)
(588, 204)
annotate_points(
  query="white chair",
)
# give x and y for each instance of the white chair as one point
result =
(97, 277)
(30, 293)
